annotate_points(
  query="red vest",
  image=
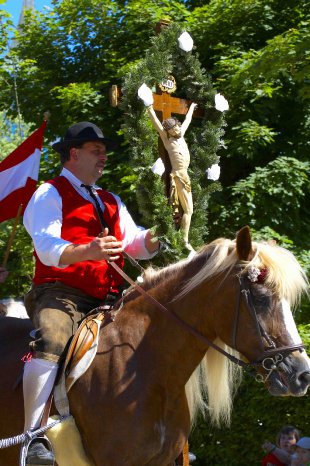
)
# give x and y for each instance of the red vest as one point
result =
(80, 225)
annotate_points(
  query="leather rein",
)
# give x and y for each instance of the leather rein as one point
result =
(272, 356)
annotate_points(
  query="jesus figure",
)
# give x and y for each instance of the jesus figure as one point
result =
(172, 132)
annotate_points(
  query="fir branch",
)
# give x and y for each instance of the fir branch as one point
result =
(204, 138)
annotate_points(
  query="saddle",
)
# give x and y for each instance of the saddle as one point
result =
(80, 354)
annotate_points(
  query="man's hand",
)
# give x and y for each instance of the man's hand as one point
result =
(104, 247)
(151, 242)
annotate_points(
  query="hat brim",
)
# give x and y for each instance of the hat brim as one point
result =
(60, 146)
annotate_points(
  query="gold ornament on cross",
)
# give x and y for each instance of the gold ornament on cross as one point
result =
(168, 84)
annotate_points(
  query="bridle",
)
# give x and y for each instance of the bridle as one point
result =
(272, 356)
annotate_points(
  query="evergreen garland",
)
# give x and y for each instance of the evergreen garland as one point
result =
(203, 137)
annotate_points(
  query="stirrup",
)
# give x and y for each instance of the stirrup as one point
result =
(25, 447)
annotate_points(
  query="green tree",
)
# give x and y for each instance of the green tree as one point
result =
(261, 64)
(20, 266)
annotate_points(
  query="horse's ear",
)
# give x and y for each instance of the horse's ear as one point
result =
(244, 243)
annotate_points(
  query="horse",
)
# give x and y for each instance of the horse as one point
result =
(197, 323)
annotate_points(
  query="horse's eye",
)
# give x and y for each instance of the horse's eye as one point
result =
(262, 298)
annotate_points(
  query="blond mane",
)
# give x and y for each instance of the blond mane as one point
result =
(216, 378)
(284, 274)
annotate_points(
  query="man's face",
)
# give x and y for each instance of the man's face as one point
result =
(90, 160)
(175, 132)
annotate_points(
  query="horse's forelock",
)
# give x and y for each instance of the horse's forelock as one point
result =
(284, 274)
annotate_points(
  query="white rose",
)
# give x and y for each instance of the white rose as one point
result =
(146, 95)
(213, 172)
(221, 103)
(158, 168)
(185, 42)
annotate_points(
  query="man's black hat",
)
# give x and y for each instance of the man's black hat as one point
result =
(80, 133)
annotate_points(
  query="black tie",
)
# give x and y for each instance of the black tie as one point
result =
(103, 223)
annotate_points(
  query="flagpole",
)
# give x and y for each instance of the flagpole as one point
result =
(11, 238)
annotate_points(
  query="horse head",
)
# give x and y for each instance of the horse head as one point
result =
(270, 284)
(234, 300)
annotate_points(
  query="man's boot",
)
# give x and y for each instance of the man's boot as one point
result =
(38, 381)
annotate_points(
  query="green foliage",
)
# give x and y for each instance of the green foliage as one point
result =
(256, 417)
(12, 133)
(250, 136)
(5, 24)
(79, 98)
(20, 264)
(162, 59)
(281, 188)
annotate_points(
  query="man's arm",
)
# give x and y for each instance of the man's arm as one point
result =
(188, 117)
(136, 240)
(43, 221)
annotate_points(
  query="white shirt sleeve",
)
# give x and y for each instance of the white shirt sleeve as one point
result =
(43, 222)
(133, 236)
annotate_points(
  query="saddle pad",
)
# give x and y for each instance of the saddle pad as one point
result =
(64, 434)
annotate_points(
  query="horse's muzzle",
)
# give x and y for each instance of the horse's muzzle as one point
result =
(292, 377)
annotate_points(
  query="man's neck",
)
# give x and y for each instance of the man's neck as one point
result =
(81, 176)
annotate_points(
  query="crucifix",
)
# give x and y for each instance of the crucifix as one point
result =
(165, 106)
(173, 150)
(172, 147)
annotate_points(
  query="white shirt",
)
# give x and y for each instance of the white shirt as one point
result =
(43, 222)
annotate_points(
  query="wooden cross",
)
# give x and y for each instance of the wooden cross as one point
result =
(165, 105)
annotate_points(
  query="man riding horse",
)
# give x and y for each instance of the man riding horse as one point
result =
(77, 229)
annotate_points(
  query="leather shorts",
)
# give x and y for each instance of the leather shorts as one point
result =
(56, 310)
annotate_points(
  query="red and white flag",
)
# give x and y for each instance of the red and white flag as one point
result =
(19, 174)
